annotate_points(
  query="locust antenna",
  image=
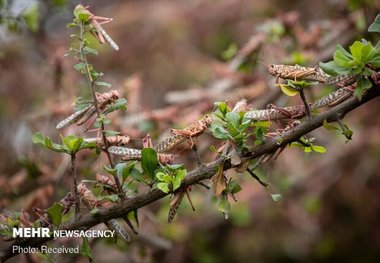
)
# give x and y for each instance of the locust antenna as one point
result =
(262, 63)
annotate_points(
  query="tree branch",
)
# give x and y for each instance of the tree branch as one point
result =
(205, 172)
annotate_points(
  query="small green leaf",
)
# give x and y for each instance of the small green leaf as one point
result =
(348, 134)
(363, 84)
(233, 117)
(85, 249)
(307, 149)
(164, 187)
(110, 170)
(230, 52)
(318, 149)
(112, 198)
(233, 187)
(103, 84)
(149, 161)
(375, 26)
(81, 67)
(287, 90)
(329, 127)
(173, 167)
(276, 197)
(38, 138)
(137, 176)
(55, 214)
(342, 57)
(178, 179)
(92, 51)
(72, 143)
(219, 132)
(329, 67)
(82, 13)
(119, 104)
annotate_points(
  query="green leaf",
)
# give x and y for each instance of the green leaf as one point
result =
(72, 143)
(137, 176)
(110, 170)
(375, 26)
(124, 169)
(348, 133)
(160, 176)
(329, 67)
(342, 57)
(363, 84)
(38, 138)
(329, 127)
(85, 249)
(178, 179)
(287, 90)
(103, 84)
(112, 198)
(55, 214)
(81, 67)
(219, 132)
(149, 161)
(234, 118)
(233, 187)
(356, 50)
(82, 13)
(164, 187)
(318, 149)
(90, 51)
(276, 197)
(230, 52)
(173, 167)
(119, 104)
(307, 149)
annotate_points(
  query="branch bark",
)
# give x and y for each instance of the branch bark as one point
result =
(206, 172)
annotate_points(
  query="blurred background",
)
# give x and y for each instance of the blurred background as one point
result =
(176, 58)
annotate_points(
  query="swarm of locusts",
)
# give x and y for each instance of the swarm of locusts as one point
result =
(117, 145)
(299, 73)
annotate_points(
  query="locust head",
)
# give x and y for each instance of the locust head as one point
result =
(207, 120)
(273, 69)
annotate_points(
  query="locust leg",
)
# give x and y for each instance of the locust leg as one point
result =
(189, 198)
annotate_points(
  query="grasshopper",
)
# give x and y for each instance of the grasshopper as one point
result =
(293, 112)
(297, 112)
(118, 140)
(66, 202)
(177, 200)
(97, 30)
(129, 154)
(194, 130)
(309, 74)
(82, 116)
(333, 98)
(90, 201)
